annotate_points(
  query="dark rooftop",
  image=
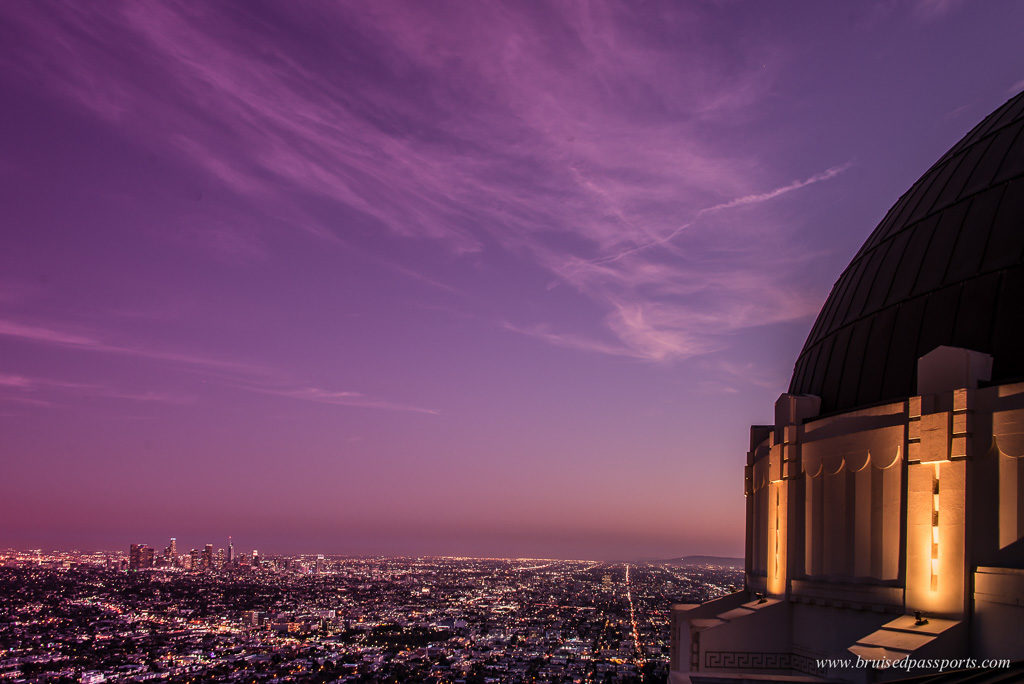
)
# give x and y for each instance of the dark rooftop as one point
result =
(944, 267)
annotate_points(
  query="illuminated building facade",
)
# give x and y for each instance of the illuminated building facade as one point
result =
(135, 556)
(208, 563)
(892, 480)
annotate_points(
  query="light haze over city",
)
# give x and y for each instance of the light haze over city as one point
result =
(467, 278)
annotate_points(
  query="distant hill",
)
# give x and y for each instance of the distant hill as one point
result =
(710, 560)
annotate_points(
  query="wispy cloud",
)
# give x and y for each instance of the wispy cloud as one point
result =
(656, 242)
(87, 342)
(570, 341)
(242, 376)
(551, 134)
(27, 401)
(19, 381)
(777, 192)
(26, 385)
(41, 334)
(956, 112)
(340, 398)
(737, 202)
(741, 372)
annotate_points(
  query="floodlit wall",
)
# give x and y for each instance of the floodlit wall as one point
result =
(855, 519)
(853, 485)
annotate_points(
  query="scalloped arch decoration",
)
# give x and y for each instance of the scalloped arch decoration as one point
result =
(1009, 445)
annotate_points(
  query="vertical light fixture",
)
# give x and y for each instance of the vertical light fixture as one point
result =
(935, 529)
(777, 531)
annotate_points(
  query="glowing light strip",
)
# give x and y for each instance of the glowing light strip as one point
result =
(935, 530)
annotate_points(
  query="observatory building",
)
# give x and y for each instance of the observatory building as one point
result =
(885, 506)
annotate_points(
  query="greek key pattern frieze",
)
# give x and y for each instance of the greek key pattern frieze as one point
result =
(759, 660)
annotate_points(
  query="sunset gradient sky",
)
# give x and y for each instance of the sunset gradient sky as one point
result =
(438, 278)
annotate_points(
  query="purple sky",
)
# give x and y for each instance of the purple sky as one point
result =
(371, 277)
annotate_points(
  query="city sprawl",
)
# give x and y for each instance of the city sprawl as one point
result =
(202, 617)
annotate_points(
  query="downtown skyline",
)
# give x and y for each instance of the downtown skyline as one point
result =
(455, 279)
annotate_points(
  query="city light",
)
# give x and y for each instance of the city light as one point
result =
(142, 615)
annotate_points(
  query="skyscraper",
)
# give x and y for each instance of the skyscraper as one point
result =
(140, 556)
(171, 553)
(135, 556)
(231, 551)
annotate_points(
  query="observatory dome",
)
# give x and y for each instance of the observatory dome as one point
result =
(944, 267)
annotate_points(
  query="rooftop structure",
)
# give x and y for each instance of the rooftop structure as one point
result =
(885, 505)
(944, 267)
